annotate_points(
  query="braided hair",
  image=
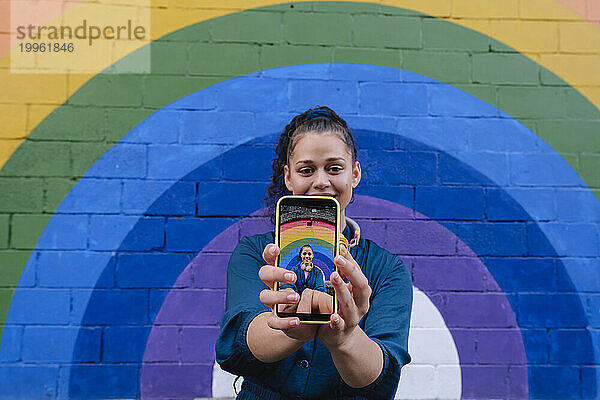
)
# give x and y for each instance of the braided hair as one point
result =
(321, 120)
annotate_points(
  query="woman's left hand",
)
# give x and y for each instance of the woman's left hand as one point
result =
(353, 299)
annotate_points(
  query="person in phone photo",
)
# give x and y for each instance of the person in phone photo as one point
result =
(359, 353)
(309, 278)
(308, 275)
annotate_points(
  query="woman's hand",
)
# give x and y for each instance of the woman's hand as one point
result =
(270, 274)
(291, 307)
(315, 302)
(353, 300)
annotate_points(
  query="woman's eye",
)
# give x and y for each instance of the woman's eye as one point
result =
(335, 168)
(305, 171)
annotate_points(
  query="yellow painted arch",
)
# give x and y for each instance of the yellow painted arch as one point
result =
(532, 31)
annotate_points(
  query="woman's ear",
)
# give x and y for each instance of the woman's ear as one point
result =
(286, 178)
(356, 174)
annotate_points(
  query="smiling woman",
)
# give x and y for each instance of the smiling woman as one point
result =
(330, 140)
(360, 352)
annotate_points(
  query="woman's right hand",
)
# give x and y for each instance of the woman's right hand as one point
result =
(270, 274)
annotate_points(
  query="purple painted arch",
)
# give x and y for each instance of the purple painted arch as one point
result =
(475, 310)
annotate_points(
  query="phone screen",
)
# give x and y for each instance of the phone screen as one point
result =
(307, 235)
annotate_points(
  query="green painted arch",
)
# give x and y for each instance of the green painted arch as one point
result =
(62, 147)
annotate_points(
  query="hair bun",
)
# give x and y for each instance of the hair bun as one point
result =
(319, 113)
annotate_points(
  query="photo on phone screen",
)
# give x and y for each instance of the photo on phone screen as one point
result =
(307, 235)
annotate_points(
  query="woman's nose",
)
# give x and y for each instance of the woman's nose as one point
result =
(321, 180)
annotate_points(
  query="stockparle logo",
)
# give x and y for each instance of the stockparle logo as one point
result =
(52, 36)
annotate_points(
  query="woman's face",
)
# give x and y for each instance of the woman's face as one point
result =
(306, 254)
(321, 164)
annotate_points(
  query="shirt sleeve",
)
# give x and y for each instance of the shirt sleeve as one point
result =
(242, 306)
(387, 324)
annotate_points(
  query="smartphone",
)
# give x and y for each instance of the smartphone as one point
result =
(307, 233)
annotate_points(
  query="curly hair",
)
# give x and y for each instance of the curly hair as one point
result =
(316, 120)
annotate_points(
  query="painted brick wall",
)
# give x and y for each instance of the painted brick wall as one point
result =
(478, 127)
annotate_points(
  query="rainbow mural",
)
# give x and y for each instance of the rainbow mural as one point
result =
(123, 194)
(322, 239)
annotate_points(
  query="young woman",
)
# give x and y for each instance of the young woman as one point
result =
(358, 355)
(308, 275)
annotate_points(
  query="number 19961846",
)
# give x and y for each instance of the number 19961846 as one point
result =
(47, 47)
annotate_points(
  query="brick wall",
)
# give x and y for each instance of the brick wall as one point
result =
(122, 195)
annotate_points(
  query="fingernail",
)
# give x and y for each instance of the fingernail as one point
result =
(292, 297)
(341, 260)
(335, 277)
(294, 322)
(273, 249)
(289, 276)
(335, 318)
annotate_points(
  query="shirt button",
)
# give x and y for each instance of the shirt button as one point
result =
(304, 364)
